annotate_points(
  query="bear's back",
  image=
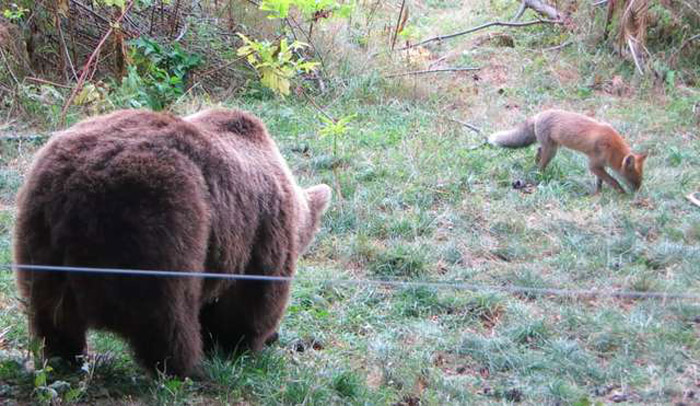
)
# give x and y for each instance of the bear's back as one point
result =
(226, 155)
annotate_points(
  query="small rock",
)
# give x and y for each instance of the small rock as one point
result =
(619, 397)
(408, 400)
(514, 395)
(518, 184)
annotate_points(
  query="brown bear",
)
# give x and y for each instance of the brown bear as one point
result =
(144, 190)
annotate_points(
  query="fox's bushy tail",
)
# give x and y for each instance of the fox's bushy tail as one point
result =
(518, 137)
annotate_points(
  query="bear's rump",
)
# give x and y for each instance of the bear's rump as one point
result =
(132, 206)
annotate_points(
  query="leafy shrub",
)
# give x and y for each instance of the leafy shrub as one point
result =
(158, 74)
(275, 63)
(310, 9)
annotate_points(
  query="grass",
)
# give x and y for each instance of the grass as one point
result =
(417, 197)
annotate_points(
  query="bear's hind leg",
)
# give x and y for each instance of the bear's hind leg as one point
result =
(169, 342)
(55, 318)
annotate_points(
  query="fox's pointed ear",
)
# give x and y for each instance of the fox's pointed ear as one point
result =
(629, 161)
(643, 156)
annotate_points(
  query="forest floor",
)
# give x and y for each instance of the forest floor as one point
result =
(420, 197)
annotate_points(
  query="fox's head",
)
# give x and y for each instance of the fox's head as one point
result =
(632, 169)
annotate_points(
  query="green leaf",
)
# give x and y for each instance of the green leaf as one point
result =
(277, 8)
(40, 379)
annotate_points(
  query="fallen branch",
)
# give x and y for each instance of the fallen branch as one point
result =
(693, 199)
(538, 6)
(421, 72)
(89, 63)
(481, 27)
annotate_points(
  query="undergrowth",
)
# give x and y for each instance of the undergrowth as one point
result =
(419, 197)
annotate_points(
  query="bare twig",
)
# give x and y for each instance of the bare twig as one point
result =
(630, 44)
(182, 33)
(464, 123)
(560, 46)
(338, 189)
(182, 97)
(692, 8)
(683, 45)
(65, 46)
(421, 72)
(4, 332)
(481, 27)
(693, 198)
(46, 82)
(88, 64)
(608, 19)
(224, 66)
(520, 12)
(540, 7)
(372, 12)
(9, 69)
(437, 61)
(173, 24)
(317, 107)
(398, 24)
(91, 11)
(291, 20)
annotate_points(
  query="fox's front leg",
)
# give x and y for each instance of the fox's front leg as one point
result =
(598, 185)
(604, 176)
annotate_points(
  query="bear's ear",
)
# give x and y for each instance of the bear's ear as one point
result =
(319, 197)
(243, 124)
(238, 122)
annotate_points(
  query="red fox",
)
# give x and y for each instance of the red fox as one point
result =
(603, 145)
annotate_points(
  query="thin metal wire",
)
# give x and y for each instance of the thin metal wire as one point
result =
(457, 285)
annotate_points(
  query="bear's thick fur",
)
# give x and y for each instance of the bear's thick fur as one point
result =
(143, 190)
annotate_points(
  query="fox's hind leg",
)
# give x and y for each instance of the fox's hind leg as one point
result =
(545, 153)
